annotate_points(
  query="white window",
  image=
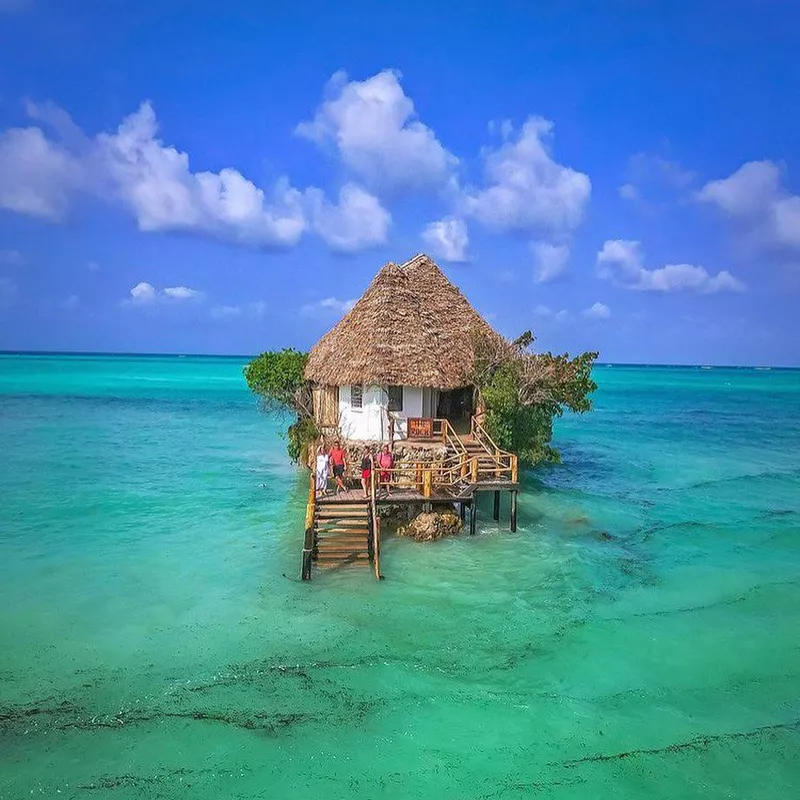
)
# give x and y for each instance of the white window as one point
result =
(356, 396)
(395, 398)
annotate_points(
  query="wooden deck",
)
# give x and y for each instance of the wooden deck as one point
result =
(400, 495)
(344, 528)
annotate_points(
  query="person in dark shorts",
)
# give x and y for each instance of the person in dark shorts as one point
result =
(339, 463)
(366, 471)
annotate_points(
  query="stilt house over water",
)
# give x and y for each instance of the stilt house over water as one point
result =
(404, 352)
(397, 369)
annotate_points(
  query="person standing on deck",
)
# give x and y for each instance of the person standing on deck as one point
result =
(321, 471)
(366, 471)
(339, 463)
(386, 462)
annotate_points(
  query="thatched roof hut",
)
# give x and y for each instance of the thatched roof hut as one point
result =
(412, 328)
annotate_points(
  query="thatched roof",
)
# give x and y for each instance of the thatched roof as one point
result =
(411, 327)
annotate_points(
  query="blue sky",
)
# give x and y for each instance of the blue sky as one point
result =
(196, 177)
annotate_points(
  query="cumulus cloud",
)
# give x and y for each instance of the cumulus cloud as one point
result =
(156, 183)
(526, 189)
(373, 126)
(357, 222)
(447, 239)
(327, 306)
(37, 176)
(597, 311)
(545, 311)
(622, 261)
(181, 292)
(550, 260)
(145, 294)
(755, 195)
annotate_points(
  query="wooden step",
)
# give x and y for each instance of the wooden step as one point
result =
(342, 514)
(344, 538)
(343, 527)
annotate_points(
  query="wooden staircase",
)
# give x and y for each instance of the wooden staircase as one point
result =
(342, 534)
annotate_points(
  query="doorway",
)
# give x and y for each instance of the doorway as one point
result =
(457, 406)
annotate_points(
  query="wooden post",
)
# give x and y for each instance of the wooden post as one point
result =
(474, 470)
(427, 483)
(462, 510)
(473, 514)
(464, 467)
(514, 469)
(496, 514)
(308, 539)
(513, 510)
(418, 477)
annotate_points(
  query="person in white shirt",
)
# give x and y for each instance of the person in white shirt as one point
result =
(322, 466)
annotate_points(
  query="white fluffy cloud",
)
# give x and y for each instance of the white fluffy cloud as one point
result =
(545, 311)
(37, 176)
(526, 189)
(447, 239)
(597, 311)
(327, 306)
(181, 292)
(755, 195)
(145, 294)
(357, 222)
(373, 126)
(550, 260)
(622, 262)
(155, 182)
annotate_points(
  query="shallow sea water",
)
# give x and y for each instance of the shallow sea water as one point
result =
(637, 636)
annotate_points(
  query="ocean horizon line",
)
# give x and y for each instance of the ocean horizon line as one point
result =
(131, 354)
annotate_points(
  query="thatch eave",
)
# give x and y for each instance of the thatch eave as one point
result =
(411, 327)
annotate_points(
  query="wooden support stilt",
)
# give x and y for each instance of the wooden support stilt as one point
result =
(462, 510)
(513, 510)
(473, 514)
(308, 539)
(496, 515)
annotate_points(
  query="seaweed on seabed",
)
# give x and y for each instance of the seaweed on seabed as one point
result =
(701, 743)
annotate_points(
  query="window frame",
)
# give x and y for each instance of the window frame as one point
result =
(389, 407)
(360, 389)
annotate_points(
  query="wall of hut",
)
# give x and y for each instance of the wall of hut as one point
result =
(370, 422)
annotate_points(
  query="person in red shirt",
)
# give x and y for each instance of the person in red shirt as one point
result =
(386, 462)
(339, 463)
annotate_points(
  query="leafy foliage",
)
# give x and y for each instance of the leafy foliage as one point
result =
(300, 435)
(524, 391)
(278, 379)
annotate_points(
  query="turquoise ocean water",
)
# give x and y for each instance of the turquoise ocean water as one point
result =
(639, 636)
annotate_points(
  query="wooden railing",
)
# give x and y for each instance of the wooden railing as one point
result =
(376, 526)
(308, 541)
(480, 434)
